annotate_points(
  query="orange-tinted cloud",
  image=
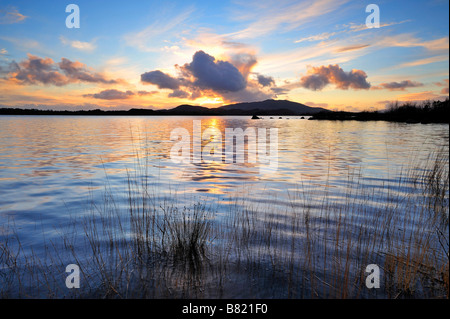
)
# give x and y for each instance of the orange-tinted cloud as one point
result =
(10, 16)
(397, 86)
(419, 96)
(319, 77)
(36, 70)
(111, 95)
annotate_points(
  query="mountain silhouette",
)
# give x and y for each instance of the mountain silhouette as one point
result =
(267, 107)
(272, 107)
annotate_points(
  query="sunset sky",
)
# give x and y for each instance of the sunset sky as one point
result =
(160, 54)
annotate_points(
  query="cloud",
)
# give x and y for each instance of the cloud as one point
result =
(319, 77)
(160, 79)
(140, 93)
(349, 28)
(244, 62)
(3, 51)
(179, 94)
(281, 16)
(78, 72)
(279, 91)
(352, 48)
(36, 70)
(398, 86)
(420, 96)
(111, 95)
(114, 94)
(10, 16)
(407, 40)
(317, 37)
(361, 27)
(206, 76)
(218, 76)
(444, 83)
(79, 45)
(159, 30)
(312, 104)
(429, 60)
(23, 44)
(265, 80)
(249, 94)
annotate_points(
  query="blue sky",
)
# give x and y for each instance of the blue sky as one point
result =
(319, 53)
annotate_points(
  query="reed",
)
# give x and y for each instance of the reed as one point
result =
(153, 247)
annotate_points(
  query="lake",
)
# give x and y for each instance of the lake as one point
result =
(54, 169)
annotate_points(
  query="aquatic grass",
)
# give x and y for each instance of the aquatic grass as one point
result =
(154, 247)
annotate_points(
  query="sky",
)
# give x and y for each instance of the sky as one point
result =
(160, 54)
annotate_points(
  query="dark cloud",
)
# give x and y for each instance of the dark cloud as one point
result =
(265, 80)
(161, 80)
(196, 94)
(319, 77)
(279, 91)
(314, 82)
(146, 92)
(206, 76)
(397, 86)
(36, 70)
(218, 76)
(179, 94)
(111, 95)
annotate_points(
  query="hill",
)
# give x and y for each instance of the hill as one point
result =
(271, 107)
(267, 107)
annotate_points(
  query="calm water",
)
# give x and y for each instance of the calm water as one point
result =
(50, 166)
(53, 168)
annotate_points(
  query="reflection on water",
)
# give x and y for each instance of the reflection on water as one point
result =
(49, 164)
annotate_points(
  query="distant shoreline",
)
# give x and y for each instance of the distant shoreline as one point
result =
(143, 112)
(426, 113)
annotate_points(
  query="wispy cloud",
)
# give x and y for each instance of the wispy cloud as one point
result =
(282, 16)
(397, 86)
(352, 48)
(350, 28)
(317, 37)
(360, 27)
(111, 95)
(408, 40)
(143, 40)
(434, 59)
(10, 16)
(79, 45)
(420, 96)
(23, 44)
